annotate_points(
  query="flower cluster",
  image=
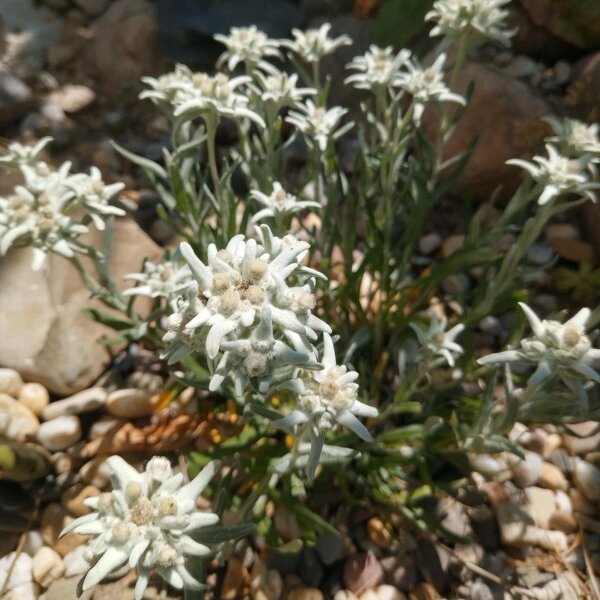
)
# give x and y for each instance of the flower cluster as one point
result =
(279, 203)
(146, 522)
(242, 313)
(483, 18)
(247, 45)
(160, 280)
(45, 211)
(377, 68)
(559, 175)
(575, 138)
(279, 90)
(313, 44)
(325, 399)
(556, 348)
(436, 341)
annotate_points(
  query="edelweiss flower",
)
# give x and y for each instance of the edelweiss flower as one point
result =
(94, 195)
(160, 280)
(214, 95)
(240, 296)
(575, 138)
(560, 349)
(18, 154)
(426, 85)
(485, 18)
(326, 399)
(39, 220)
(318, 124)
(437, 341)
(313, 44)
(559, 175)
(164, 88)
(280, 89)
(279, 202)
(146, 522)
(247, 45)
(378, 68)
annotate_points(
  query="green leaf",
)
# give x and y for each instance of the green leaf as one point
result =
(146, 164)
(400, 21)
(217, 535)
(402, 434)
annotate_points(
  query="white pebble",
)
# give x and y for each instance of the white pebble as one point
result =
(103, 425)
(383, 592)
(33, 542)
(47, 566)
(130, 403)
(17, 422)
(82, 402)
(74, 561)
(25, 591)
(60, 433)
(10, 382)
(21, 570)
(35, 397)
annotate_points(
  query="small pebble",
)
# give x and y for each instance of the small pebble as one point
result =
(234, 580)
(587, 479)
(526, 472)
(130, 403)
(33, 542)
(47, 566)
(60, 433)
(383, 592)
(20, 573)
(103, 425)
(429, 243)
(378, 533)
(85, 401)
(96, 472)
(10, 382)
(305, 593)
(362, 572)
(17, 422)
(551, 477)
(562, 521)
(74, 561)
(73, 499)
(35, 397)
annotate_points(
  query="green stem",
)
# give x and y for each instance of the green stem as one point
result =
(211, 134)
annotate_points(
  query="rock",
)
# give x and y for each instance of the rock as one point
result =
(517, 528)
(60, 433)
(378, 533)
(123, 46)
(345, 595)
(587, 479)
(496, 99)
(481, 591)
(82, 402)
(551, 477)
(580, 503)
(400, 571)
(452, 244)
(383, 592)
(541, 505)
(310, 569)
(73, 499)
(561, 231)
(362, 572)
(47, 566)
(234, 580)
(552, 442)
(96, 472)
(17, 422)
(93, 8)
(562, 521)
(285, 523)
(588, 440)
(20, 570)
(432, 562)
(539, 254)
(35, 397)
(429, 243)
(52, 342)
(16, 98)
(578, 23)
(453, 517)
(304, 593)
(573, 250)
(74, 561)
(424, 591)
(104, 425)
(330, 548)
(526, 472)
(54, 520)
(73, 98)
(485, 527)
(25, 591)
(10, 382)
(33, 542)
(66, 588)
(130, 403)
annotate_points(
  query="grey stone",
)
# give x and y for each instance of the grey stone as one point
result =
(16, 98)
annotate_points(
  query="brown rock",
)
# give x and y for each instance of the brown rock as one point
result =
(574, 250)
(47, 566)
(551, 477)
(562, 521)
(582, 94)
(51, 341)
(424, 591)
(123, 47)
(235, 579)
(73, 499)
(35, 397)
(505, 115)
(362, 572)
(378, 533)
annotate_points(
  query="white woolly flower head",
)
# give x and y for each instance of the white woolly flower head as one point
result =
(556, 348)
(426, 85)
(436, 341)
(160, 280)
(377, 68)
(279, 89)
(147, 521)
(559, 175)
(162, 90)
(313, 44)
(484, 18)
(242, 312)
(214, 95)
(319, 124)
(326, 399)
(575, 138)
(279, 202)
(20, 154)
(248, 45)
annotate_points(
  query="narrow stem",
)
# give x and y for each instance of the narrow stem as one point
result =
(211, 134)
